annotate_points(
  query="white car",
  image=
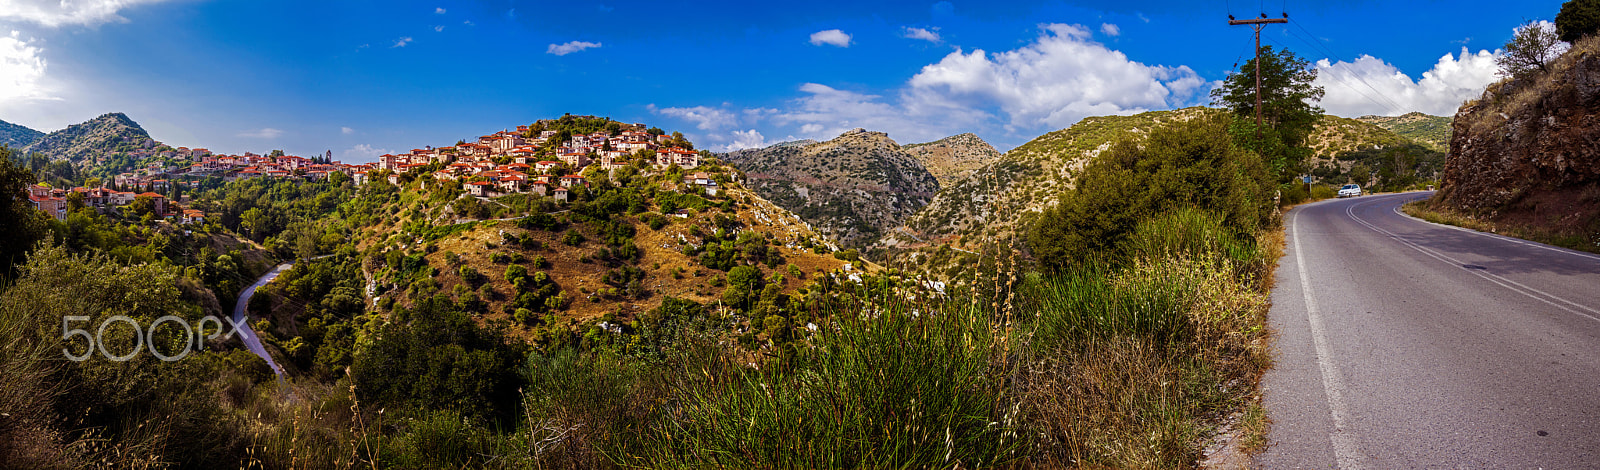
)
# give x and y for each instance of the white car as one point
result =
(1350, 190)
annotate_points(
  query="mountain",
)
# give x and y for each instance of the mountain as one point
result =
(1526, 155)
(1000, 198)
(953, 158)
(1358, 151)
(851, 188)
(93, 140)
(16, 136)
(1429, 130)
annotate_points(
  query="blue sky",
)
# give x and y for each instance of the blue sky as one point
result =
(360, 78)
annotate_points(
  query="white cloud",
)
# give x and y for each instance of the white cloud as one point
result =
(923, 34)
(705, 118)
(22, 68)
(263, 133)
(570, 47)
(746, 139)
(1056, 81)
(827, 112)
(438, 11)
(401, 42)
(1110, 29)
(362, 153)
(1051, 83)
(346, 131)
(467, 22)
(55, 13)
(438, 29)
(832, 37)
(1371, 86)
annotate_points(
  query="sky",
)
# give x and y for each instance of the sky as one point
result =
(363, 78)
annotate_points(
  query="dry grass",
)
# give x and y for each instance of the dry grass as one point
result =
(1526, 231)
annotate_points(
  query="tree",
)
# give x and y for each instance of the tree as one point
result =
(1530, 49)
(142, 205)
(1288, 116)
(1193, 164)
(1578, 18)
(20, 224)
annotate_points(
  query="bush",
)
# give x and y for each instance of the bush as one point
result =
(850, 255)
(1193, 163)
(440, 360)
(515, 271)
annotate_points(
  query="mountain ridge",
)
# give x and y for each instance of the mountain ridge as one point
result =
(851, 188)
(91, 141)
(953, 158)
(17, 136)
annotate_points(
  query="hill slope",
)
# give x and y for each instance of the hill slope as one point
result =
(851, 188)
(17, 136)
(93, 140)
(953, 158)
(1432, 131)
(1357, 151)
(1000, 198)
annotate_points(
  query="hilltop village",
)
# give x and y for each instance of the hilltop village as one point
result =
(542, 162)
(536, 159)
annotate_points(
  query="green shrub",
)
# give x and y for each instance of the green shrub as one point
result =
(1194, 163)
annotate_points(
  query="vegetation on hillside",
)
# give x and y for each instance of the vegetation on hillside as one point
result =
(648, 323)
(1355, 151)
(1431, 131)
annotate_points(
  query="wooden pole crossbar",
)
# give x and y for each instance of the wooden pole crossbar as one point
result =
(1257, 24)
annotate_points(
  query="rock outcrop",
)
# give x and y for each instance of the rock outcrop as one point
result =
(1528, 137)
(954, 158)
(851, 188)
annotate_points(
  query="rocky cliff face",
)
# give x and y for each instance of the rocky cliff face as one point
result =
(954, 158)
(1528, 140)
(851, 188)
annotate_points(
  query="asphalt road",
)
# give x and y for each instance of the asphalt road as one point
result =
(247, 333)
(1405, 344)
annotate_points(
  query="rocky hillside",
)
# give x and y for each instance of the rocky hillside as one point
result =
(15, 136)
(1356, 151)
(1002, 197)
(93, 140)
(1426, 129)
(851, 189)
(1528, 150)
(953, 158)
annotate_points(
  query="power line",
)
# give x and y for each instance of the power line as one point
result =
(1386, 103)
(1312, 39)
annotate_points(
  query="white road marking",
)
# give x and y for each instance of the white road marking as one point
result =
(1346, 452)
(1503, 237)
(1511, 285)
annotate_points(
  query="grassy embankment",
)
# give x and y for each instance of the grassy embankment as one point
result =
(1577, 240)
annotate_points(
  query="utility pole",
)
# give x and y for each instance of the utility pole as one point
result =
(1257, 24)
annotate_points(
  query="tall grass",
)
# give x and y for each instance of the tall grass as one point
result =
(907, 386)
(1129, 367)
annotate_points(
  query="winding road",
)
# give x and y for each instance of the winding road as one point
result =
(246, 333)
(1406, 344)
